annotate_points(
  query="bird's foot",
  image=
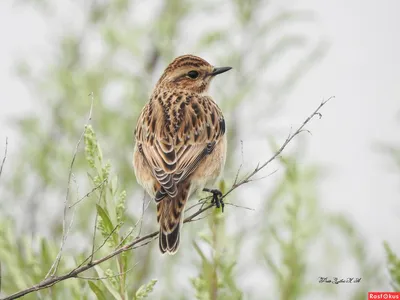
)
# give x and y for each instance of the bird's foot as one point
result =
(217, 198)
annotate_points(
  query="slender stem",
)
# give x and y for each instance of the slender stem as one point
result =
(147, 239)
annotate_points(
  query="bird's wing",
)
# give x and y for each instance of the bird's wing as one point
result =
(176, 140)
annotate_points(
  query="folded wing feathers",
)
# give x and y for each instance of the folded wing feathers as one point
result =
(173, 158)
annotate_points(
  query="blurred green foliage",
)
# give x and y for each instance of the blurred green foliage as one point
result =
(393, 267)
(116, 51)
(392, 151)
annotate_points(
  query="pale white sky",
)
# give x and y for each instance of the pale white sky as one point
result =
(361, 69)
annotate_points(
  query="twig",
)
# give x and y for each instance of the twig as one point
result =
(95, 225)
(75, 272)
(54, 267)
(142, 216)
(140, 242)
(77, 185)
(277, 153)
(107, 277)
(49, 282)
(88, 194)
(263, 177)
(202, 203)
(101, 246)
(4, 158)
(146, 243)
(241, 164)
(199, 202)
(239, 206)
(144, 209)
(201, 218)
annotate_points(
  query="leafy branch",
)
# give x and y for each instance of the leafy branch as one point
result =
(147, 239)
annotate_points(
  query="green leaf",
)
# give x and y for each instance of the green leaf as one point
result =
(106, 219)
(98, 292)
(145, 290)
(107, 284)
(108, 226)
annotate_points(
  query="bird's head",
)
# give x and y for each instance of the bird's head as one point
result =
(189, 72)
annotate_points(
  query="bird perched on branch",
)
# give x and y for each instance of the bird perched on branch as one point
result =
(180, 143)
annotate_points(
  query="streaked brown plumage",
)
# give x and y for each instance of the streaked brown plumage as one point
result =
(180, 142)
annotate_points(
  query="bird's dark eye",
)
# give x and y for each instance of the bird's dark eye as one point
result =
(193, 74)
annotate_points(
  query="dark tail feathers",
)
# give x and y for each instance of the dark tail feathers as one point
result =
(170, 217)
(169, 242)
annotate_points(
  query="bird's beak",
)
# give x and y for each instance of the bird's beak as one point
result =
(220, 70)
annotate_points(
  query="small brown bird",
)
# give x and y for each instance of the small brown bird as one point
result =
(180, 143)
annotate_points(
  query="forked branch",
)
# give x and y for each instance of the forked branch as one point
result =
(145, 240)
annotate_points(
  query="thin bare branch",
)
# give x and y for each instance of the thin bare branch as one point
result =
(76, 184)
(95, 225)
(199, 203)
(201, 218)
(146, 243)
(241, 163)
(126, 237)
(4, 157)
(283, 146)
(262, 177)
(108, 277)
(54, 267)
(239, 206)
(142, 241)
(143, 210)
(49, 282)
(89, 193)
(90, 257)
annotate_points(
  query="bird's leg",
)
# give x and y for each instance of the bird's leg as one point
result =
(217, 198)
